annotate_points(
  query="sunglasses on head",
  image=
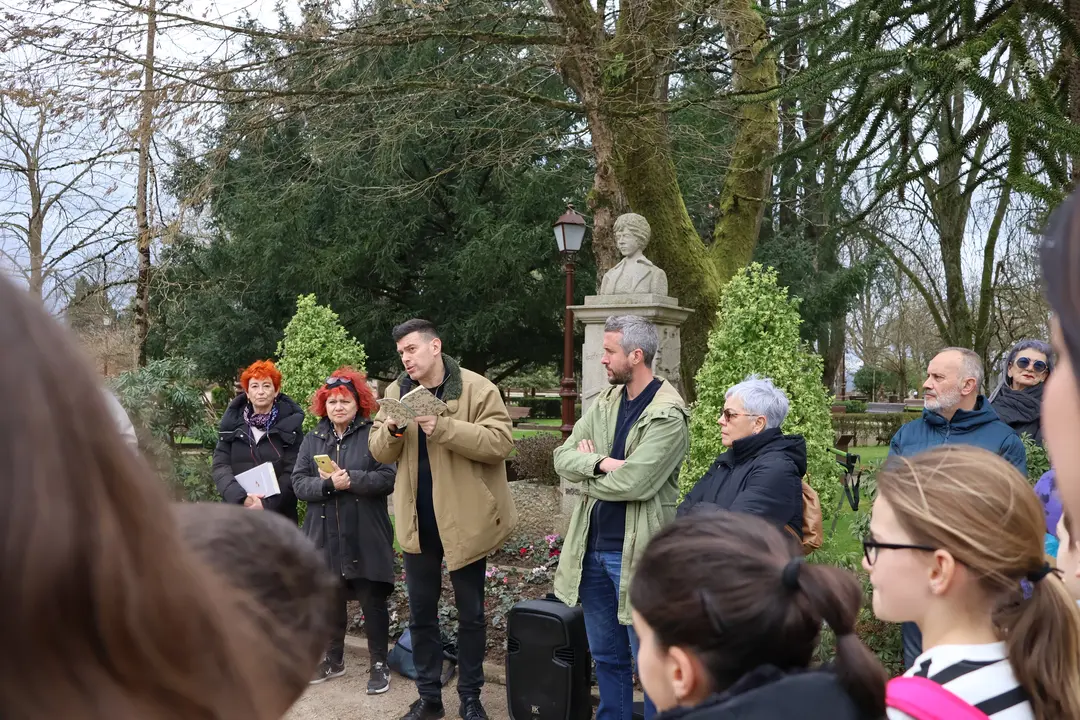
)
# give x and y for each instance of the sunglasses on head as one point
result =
(335, 381)
(1038, 366)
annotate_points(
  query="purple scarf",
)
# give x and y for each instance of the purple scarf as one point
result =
(260, 421)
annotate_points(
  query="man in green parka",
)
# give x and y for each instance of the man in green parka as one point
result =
(624, 456)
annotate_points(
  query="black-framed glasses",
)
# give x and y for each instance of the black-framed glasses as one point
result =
(870, 548)
(335, 381)
(1038, 366)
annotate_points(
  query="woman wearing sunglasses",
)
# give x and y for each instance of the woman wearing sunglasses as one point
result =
(761, 472)
(347, 517)
(1018, 399)
(956, 546)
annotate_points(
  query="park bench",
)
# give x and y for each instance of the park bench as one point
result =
(844, 442)
(518, 413)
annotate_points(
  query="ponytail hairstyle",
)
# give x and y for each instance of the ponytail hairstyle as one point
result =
(733, 589)
(978, 507)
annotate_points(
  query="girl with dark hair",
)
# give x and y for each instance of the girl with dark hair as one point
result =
(104, 611)
(728, 617)
(1018, 399)
(1061, 406)
(956, 546)
(347, 517)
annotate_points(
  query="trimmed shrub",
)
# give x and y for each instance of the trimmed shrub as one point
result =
(871, 428)
(852, 406)
(535, 458)
(315, 344)
(1037, 460)
(757, 332)
(542, 407)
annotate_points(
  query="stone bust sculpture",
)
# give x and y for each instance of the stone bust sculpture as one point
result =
(634, 273)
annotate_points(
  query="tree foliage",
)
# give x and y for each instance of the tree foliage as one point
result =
(168, 398)
(443, 216)
(872, 381)
(315, 345)
(757, 332)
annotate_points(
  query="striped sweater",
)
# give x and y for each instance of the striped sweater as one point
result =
(978, 674)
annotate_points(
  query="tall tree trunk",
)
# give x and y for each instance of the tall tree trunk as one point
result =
(142, 213)
(35, 228)
(788, 118)
(746, 185)
(1072, 9)
(621, 80)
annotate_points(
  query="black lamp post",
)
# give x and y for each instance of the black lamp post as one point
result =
(569, 232)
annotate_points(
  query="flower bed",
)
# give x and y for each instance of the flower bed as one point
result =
(522, 569)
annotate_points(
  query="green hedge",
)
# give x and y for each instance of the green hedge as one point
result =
(851, 406)
(871, 428)
(542, 407)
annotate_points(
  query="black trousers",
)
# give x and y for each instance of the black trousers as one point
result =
(423, 578)
(373, 598)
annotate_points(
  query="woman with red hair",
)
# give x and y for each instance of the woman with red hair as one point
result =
(347, 517)
(260, 426)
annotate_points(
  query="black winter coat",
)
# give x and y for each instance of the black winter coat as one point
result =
(1020, 409)
(237, 452)
(769, 694)
(761, 475)
(352, 527)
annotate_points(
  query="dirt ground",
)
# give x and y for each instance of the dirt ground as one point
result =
(346, 698)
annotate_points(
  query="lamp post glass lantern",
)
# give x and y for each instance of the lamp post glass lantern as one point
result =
(569, 232)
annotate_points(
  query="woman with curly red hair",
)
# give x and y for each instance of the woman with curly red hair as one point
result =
(260, 426)
(347, 517)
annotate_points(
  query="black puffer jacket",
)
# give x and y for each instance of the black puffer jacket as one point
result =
(761, 475)
(237, 452)
(1020, 409)
(351, 526)
(769, 694)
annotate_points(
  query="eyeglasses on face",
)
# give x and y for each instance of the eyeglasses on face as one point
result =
(1038, 366)
(335, 381)
(870, 548)
(729, 414)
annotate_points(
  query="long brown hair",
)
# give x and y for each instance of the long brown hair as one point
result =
(712, 583)
(104, 613)
(979, 508)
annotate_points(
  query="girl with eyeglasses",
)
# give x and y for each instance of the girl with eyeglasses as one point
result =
(956, 546)
(1018, 399)
(347, 517)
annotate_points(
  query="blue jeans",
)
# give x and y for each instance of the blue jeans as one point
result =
(614, 647)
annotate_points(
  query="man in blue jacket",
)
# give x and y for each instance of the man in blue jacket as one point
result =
(954, 413)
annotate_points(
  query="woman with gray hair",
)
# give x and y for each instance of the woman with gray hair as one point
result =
(761, 472)
(1018, 399)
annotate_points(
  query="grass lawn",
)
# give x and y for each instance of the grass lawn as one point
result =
(553, 423)
(843, 540)
(870, 454)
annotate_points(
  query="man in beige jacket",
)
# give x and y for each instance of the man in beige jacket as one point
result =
(452, 502)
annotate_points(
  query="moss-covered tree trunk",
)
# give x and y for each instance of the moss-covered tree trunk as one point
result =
(620, 78)
(746, 186)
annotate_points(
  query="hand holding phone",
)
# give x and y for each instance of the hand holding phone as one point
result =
(325, 465)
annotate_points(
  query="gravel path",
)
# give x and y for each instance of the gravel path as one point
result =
(346, 698)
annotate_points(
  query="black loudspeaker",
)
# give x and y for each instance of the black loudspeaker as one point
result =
(548, 667)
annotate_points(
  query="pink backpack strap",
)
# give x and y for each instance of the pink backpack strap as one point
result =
(924, 699)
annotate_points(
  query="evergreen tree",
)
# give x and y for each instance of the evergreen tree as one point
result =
(757, 332)
(315, 345)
